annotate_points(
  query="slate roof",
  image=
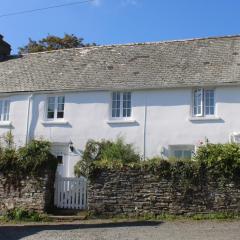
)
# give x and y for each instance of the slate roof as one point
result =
(173, 64)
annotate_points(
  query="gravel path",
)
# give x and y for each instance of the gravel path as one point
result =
(177, 230)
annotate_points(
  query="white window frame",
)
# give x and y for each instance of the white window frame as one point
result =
(179, 147)
(214, 104)
(4, 115)
(202, 112)
(121, 105)
(55, 108)
(199, 91)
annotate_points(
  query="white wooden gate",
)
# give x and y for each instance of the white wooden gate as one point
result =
(70, 193)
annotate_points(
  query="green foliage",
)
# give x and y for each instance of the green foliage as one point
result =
(183, 171)
(31, 160)
(52, 42)
(35, 158)
(105, 153)
(171, 217)
(221, 160)
(9, 159)
(157, 165)
(215, 216)
(120, 151)
(20, 214)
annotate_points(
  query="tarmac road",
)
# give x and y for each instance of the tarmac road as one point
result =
(150, 230)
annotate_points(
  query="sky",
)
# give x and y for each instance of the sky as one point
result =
(108, 22)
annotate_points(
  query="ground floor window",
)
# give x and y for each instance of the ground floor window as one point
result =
(60, 159)
(181, 151)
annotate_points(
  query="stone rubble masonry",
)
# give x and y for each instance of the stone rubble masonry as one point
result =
(33, 194)
(138, 192)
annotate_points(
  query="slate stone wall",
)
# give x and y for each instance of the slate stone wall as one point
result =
(31, 194)
(137, 192)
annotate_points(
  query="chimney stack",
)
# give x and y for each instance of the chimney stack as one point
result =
(5, 48)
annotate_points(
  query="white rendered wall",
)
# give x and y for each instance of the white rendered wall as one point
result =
(167, 119)
(18, 118)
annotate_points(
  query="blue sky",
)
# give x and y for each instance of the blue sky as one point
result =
(121, 21)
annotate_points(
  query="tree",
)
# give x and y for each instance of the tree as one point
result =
(52, 42)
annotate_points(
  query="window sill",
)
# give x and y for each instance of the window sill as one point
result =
(54, 122)
(206, 118)
(121, 121)
(5, 123)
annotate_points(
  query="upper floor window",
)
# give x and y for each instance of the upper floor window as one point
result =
(4, 110)
(203, 102)
(55, 107)
(121, 105)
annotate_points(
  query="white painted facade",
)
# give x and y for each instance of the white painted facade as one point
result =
(160, 119)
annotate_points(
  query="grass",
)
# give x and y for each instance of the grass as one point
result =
(172, 217)
(19, 216)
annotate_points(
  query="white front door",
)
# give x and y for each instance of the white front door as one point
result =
(61, 151)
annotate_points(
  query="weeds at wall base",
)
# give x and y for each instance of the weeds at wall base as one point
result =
(17, 215)
(169, 217)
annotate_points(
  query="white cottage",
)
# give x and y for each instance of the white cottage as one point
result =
(163, 97)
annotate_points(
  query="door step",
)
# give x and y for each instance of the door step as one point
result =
(66, 212)
(60, 215)
(66, 218)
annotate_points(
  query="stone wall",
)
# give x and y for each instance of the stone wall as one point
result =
(30, 193)
(136, 192)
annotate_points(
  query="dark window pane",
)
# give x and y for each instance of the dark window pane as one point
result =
(114, 96)
(124, 104)
(50, 115)
(118, 112)
(51, 100)
(60, 159)
(178, 153)
(118, 96)
(51, 107)
(60, 115)
(212, 110)
(61, 100)
(118, 104)
(113, 112)
(207, 110)
(187, 154)
(211, 101)
(114, 104)
(61, 107)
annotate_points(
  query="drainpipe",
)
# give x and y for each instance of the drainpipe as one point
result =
(145, 128)
(28, 118)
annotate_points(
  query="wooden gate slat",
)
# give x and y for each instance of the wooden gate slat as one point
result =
(70, 193)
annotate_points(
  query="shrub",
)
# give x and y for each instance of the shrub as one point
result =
(221, 160)
(31, 160)
(36, 157)
(105, 153)
(120, 151)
